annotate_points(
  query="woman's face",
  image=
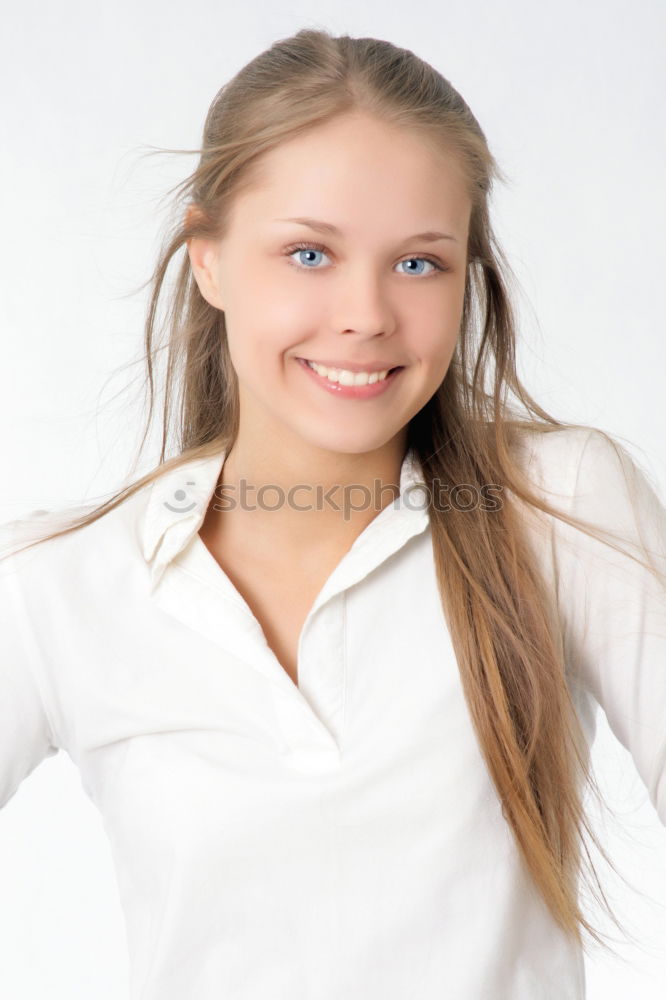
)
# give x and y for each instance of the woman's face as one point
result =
(370, 293)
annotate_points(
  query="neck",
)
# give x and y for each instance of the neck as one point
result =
(302, 499)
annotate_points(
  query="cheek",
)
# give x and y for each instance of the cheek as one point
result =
(433, 352)
(260, 337)
(280, 305)
(434, 337)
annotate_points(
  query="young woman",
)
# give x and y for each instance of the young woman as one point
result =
(330, 671)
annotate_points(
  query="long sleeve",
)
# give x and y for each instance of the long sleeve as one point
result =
(614, 610)
(26, 737)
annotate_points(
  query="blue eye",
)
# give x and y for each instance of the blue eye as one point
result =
(408, 260)
(305, 249)
(317, 248)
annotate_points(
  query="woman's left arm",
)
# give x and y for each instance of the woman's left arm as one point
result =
(613, 609)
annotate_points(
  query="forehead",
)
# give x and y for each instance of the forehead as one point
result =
(357, 171)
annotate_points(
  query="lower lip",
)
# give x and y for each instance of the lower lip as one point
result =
(351, 391)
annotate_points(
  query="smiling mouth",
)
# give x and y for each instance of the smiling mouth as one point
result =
(368, 388)
(354, 370)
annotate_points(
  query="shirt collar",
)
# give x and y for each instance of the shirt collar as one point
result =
(178, 500)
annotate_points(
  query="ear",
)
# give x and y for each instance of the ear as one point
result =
(204, 257)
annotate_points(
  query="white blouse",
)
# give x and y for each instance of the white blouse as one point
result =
(340, 839)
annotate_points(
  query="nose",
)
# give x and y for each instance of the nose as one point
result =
(363, 307)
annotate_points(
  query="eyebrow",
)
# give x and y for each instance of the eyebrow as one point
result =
(429, 236)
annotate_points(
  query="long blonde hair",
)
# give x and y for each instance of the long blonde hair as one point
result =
(496, 605)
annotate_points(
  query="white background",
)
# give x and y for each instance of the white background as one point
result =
(570, 97)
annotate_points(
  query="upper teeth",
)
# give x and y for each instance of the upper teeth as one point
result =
(345, 377)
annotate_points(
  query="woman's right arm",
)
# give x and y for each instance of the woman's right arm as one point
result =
(26, 735)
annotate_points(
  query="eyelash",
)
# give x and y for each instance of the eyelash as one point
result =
(318, 246)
